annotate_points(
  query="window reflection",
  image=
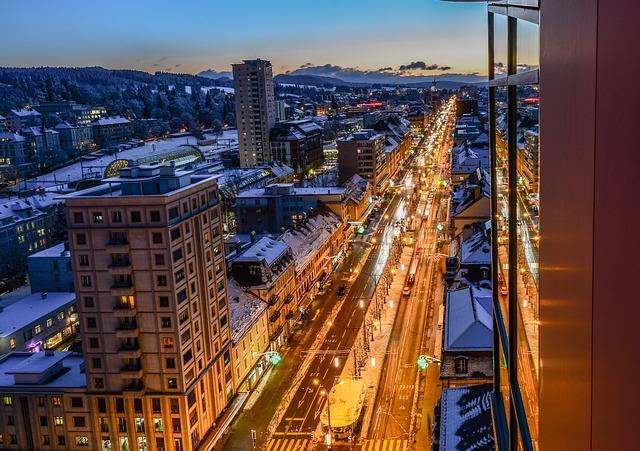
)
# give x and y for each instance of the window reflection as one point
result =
(528, 51)
(502, 191)
(528, 211)
(499, 46)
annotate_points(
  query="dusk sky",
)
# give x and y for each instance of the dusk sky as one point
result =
(191, 36)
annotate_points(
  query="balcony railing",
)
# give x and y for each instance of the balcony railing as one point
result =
(132, 325)
(135, 385)
(273, 300)
(129, 347)
(122, 284)
(131, 367)
(288, 298)
(274, 317)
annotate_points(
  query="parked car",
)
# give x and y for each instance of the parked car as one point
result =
(406, 291)
(503, 290)
(341, 290)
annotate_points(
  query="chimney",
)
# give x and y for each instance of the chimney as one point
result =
(44, 295)
(49, 352)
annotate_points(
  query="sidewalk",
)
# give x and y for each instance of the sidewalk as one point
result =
(378, 347)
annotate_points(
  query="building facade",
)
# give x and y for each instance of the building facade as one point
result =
(151, 287)
(50, 269)
(363, 153)
(255, 110)
(27, 225)
(16, 120)
(110, 131)
(298, 144)
(39, 321)
(75, 138)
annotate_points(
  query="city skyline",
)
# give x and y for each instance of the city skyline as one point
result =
(181, 41)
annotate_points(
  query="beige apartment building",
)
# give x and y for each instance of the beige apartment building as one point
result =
(151, 289)
(255, 110)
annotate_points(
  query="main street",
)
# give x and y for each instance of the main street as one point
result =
(340, 336)
(287, 412)
(394, 410)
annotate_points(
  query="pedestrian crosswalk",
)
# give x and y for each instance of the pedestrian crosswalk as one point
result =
(385, 445)
(288, 444)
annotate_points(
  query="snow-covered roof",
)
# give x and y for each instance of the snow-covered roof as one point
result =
(6, 136)
(476, 249)
(115, 120)
(58, 370)
(309, 236)
(466, 160)
(27, 310)
(244, 307)
(468, 322)
(25, 113)
(465, 419)
(93, 165)
(265, 249)
(57, 250)
(470, 190)
(16, 209)
(291, 190)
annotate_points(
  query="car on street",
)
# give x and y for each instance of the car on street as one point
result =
(341, 290)
(406, 291)
(503, 290)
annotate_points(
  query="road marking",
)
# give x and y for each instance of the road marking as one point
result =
(385, 445)
(288, 444)
(293, 419)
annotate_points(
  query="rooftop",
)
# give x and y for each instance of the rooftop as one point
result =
(309, 235)
(144, 180)
(476, 248)
(288, 189)
(245, 309)
(6, 136)
(468, 322)
(465, 419)
(111, 121)
(25, 113)
(30, 309)
(47, 370)
(14, 209)
(470, 190)
(57, 250)
(363, 135)
(265, 249)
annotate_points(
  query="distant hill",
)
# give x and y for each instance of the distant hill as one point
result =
(330, 82)
(101, 76)
(444, 84)
(215, 75)
(316, 80)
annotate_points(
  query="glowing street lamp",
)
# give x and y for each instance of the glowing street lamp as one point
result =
(424, 361)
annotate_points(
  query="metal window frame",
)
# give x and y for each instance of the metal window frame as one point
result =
(507, 340)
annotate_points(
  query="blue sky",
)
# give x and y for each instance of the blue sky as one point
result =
(190, 36)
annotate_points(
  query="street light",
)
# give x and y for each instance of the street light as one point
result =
(324, 392)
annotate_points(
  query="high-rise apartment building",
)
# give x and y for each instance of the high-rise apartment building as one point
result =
(255, 110)
(363, 153)
(151, 294)
(565, 220)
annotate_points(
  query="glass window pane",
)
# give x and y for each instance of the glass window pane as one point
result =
(528, 210)
(502, 191)
(499, 46)
(528, 46)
